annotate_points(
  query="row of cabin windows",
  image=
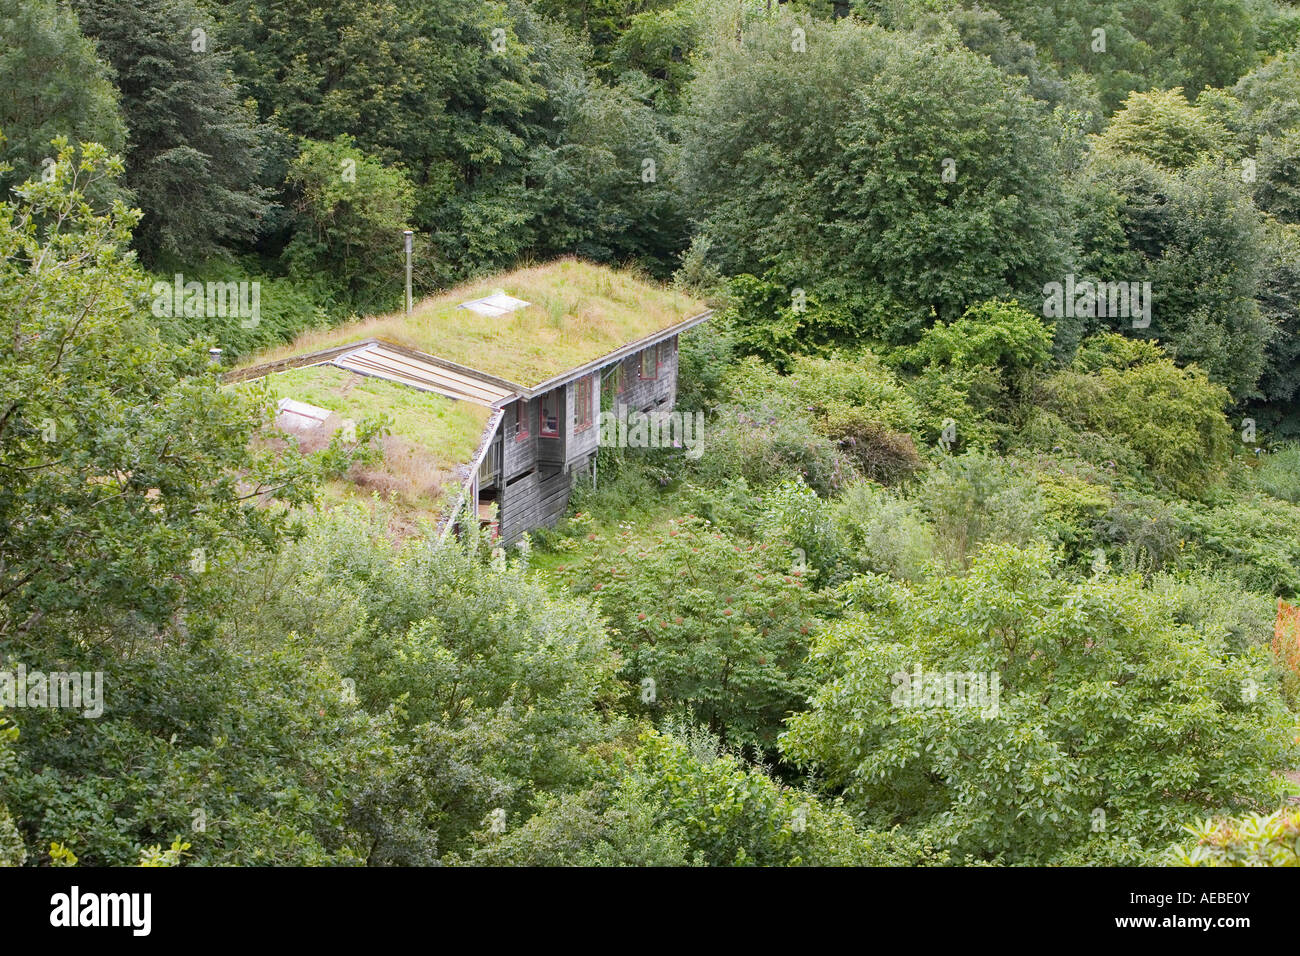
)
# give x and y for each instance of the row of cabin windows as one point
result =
(585, 400)
(548, 416)
(648, 365)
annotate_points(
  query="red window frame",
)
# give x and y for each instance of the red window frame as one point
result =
(582, 401)
(521, 420)
(542, 430)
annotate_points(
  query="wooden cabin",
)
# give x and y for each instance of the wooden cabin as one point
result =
(528, 358)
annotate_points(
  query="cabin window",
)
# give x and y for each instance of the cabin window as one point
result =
(520, 428)
(583, 401)
(618, 379)
(649, 363)
(549, 417)
(665, 352)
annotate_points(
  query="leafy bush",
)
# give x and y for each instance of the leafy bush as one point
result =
(349, 221)
(884, 533)
(1279, 473)
(1104, 704)
(705, 620)
(766, 442)
(1172, 417)
(974, 499)
(1253, 840)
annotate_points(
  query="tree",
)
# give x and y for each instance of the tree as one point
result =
(1172, 417)
(1162, 127)
(449, 90)
(196, 153)
(603, 180)
(351, 212)
(872, 169)
(1197, 238)
(125, 469)
(655, 53)
(1087, 725)
(56, 85)
(706, 622)
(1279, 384)
(1267, 112)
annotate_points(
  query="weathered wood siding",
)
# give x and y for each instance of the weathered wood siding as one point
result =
(519, 454)
(539, 472)
(581, 442)
(536, 500)
(638, 394)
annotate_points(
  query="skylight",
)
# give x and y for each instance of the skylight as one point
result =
(299, 416)
(496, 304)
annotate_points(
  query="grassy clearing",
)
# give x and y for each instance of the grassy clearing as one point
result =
(578, 312)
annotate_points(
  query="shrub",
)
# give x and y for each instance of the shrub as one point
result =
(714, 623)
(975, 499)
(1103, 704)
(884, 533)
(1171, 417)
(1252, 840)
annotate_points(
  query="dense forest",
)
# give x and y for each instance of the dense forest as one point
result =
(1002, 382)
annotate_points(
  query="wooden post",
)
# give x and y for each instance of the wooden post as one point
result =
(407, 233)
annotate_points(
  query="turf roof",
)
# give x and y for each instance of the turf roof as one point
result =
(577, 312)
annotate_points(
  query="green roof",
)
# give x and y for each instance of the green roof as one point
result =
(432, 438)
(577, 312)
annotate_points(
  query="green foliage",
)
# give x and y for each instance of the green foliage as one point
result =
(1253, 840)
(602, 826)
(1185, 43)
(1197, 238)
(127, 470)
(1172, 417)
(847, 142)
(352, 703)
(1253, 538)
(197, 154)
(714, 623)
(974, 499)
(654, 53)
(884, 533)
(766, 437)
(992, 334)
(11, 842)
(904, 467)
(599, 197)
(56, 87)
(1279, 385)
(1161, 126)
(851, 399)
(1279, 473)
(704, 354)
(737, 815)
(351, 214)
(287, 307)
(1104, 704)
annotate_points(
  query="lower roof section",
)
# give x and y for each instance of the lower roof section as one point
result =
(409, 368)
